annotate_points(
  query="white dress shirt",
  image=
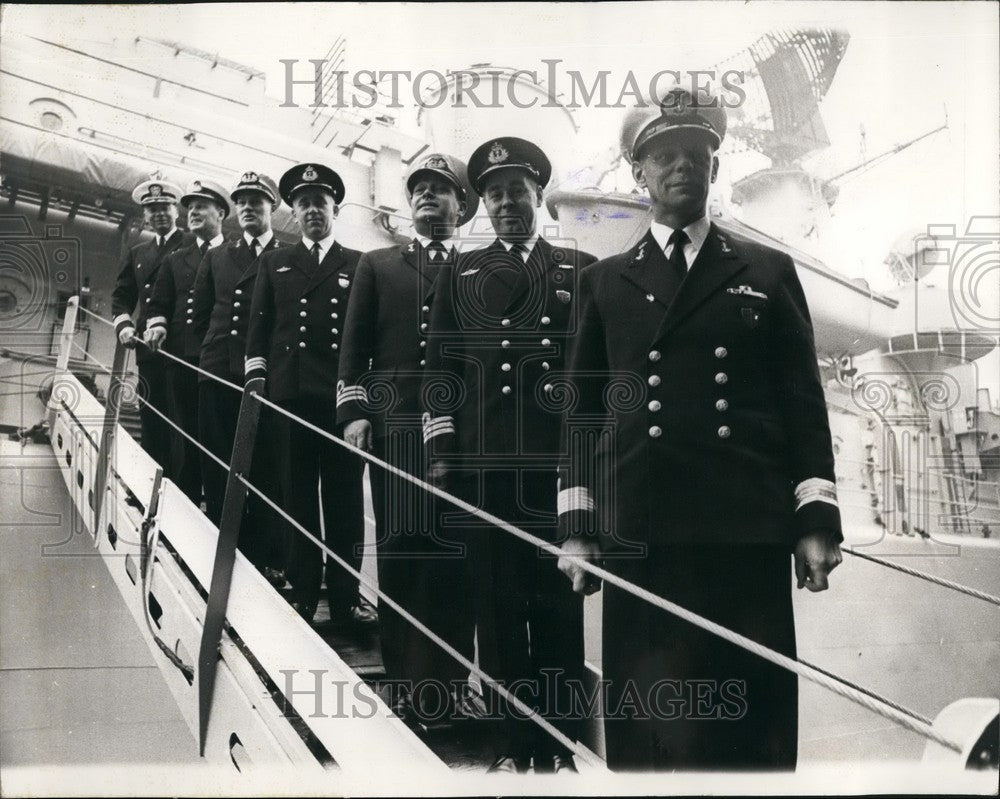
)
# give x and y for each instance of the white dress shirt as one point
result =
(324, 245)
(528, 245)
(697, 232)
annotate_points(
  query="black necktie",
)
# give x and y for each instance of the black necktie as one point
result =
(436, 252)
(254, 244)
(519, 251)
(203, 248)
(678, 263)
(315, 253)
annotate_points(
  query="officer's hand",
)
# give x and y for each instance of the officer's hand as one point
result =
(127, 336)
(359, 434)
(586, 550)
(154, 337)
(816, 555)
(437, 474)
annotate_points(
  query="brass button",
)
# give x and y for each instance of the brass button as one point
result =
(190, 300)
(722, 405)
(654, 380)
(505, 343)
(302, 345)
(423, 327)
(546, 320)
(190, 321)
(655, 405)
(547, 388)
(654, 356)
(232, 333)
(190, 311)
(545, 366)
(505, 390)
(236, 319)
(655, 431)
(302, 329)
(334, 316)
(236, 305)
(303, 300)
(146, 286)
(721, 352)
(505, 367)
(423, 363)
(724, 432)
(333, 346)
(423, 343)
(333, 330)
(546, 342)
(426, 309)
(505, 322)
(333, 300)
(239, 292)
(722, 378)
(303, 313)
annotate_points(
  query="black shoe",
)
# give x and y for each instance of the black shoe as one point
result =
(508, 764)
(364, 614)
(564, 763)
(276, 577)
(305, 610)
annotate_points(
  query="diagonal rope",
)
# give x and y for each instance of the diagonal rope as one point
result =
(964, 589)
(864, 698)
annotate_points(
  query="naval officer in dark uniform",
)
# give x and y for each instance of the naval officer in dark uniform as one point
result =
(299, 301)
(223, 290)
(133, 290)
(172, 306)
(378, 399)
(695, 354)
(499, 327)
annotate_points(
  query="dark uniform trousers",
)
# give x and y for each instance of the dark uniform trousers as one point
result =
(498, 333)
(222, 294)
(691, 700)
(529, 622)
(172, 307)
(134, 288)
(381, 368)
(293, 340)
(720, 459)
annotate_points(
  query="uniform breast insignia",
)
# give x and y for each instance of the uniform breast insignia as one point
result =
(747, 292)
(564, 296)
(343, 282)
(468, 272)
(283, 269)
(642, 252)
(650, 298)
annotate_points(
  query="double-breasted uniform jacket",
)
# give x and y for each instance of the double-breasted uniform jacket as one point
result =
(385, 337)
(223, 292)
(499, 331)
(172, 303)
(135, 285)
(718, 428)
(296, 319)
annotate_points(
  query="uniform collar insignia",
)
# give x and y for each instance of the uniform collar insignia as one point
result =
(724, 244)
(642, 251)
(411, 247)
